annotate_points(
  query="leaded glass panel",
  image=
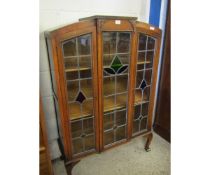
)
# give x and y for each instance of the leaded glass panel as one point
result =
(144, 69)
(78, 68)
(116, 59)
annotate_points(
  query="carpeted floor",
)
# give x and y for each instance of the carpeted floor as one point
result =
(128, 159)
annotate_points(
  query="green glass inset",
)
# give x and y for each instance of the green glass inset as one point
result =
(116, 64)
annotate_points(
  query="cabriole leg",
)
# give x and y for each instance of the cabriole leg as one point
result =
(148, 142)
(70, 166)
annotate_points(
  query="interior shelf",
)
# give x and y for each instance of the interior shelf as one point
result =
(109, 105)
(88, 68)
(142, 62)
(77, 69)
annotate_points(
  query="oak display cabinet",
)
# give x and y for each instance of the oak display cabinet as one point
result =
(104, 71)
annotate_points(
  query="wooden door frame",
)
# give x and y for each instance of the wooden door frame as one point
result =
(58, 36)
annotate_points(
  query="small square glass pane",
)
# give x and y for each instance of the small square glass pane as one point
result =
(89, 142)
(121, 100)
(138, 96)
(107, 60)
(109, 103)
(142, 42)
(77, 146)
(137, 111)
(120, 117)
(150, 43)
(109, 42)
(148, 76)
(149, 59)
(144, 108)
(123, 44)
(69, 48)
(71, 64)
(72, 87)
(74, 110)
(88, 125)
(87, 107)
(143, 125)
(108, 137)
(121, 85)
(109, 86)
(108, 121)
(136, 126)
(120, 133)
(141, 60)
(85, 73)
(72, 75)
(85, 62)
(84, 43)
(146, 93)
(76, 128)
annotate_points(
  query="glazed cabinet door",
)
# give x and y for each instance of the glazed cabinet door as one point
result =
(79, 62)
(116, 54)
(115, 43)
(145, 81)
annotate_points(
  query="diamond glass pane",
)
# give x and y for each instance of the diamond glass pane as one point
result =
(143, 85)
(80, 97)
(116, 64)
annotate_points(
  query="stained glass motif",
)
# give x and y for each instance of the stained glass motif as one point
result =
(116, 66)
(122, 69)
(80, 97)
(109, 70)
(143, 85)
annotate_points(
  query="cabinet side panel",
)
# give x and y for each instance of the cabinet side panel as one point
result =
(58, 99)
(55, 95)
